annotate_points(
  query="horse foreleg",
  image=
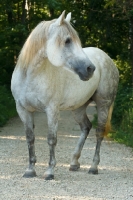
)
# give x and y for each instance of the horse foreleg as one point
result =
(85, 125)
(27, 119)
(52, 117)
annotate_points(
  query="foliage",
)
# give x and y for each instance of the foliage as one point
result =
(123, 107)
(123, 115)
(7, 105)
(122, 118)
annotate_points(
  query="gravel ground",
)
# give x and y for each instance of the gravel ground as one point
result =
(114, 181)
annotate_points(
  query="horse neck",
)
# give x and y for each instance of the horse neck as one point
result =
(37, 61)
(41, 66)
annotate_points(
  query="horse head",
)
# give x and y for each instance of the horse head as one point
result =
(64, 48)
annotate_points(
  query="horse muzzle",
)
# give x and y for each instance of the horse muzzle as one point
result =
(84, 71)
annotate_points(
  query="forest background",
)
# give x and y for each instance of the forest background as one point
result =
(106, 24)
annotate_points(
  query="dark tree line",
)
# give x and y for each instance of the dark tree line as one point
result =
(104, 23)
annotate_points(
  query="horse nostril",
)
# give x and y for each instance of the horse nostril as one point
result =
(93, 68)
(90, 69)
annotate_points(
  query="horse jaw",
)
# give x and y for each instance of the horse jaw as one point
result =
(61, 18)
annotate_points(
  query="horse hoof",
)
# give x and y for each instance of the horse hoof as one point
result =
(49, 177)
(29, 173)
(93, 171)
(74, 167)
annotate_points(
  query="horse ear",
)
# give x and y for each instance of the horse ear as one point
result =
(60, 19)
(68, 17)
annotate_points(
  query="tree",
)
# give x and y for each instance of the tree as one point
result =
(126, 10)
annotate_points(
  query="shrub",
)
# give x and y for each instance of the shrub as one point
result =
(7, 105)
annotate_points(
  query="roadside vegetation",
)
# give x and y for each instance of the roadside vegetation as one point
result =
(7, 105)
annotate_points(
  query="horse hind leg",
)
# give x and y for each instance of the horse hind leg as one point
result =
(27, 119)
(85, 125)
(104, 111)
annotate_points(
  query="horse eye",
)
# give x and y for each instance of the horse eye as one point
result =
(68, 41)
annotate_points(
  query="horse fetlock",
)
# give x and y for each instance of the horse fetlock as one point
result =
(52, 163)
(52, 141)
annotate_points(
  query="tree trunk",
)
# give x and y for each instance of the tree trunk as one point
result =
(9, 13)
(51, 10)
(131, 43)
(23, 17)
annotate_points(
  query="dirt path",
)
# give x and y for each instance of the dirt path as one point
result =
(114, 181)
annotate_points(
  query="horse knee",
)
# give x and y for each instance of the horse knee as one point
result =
(29, 135)
(100, 132)
(85, 125)
(52, 139)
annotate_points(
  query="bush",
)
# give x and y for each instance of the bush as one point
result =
(122, 118)
(7, 105)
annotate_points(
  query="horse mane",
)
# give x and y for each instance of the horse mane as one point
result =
(33, 44)
(37, 40)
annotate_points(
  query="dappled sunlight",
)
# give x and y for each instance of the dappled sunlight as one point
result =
(67, 197)
(18, 161)
(40, 138)
(5, 177)
(12, 137)
(114, 168)
(69, 136)
(74, 136)
(128, 159)
(87, 166)
(63, 165)
(42, 164)
(90, 148)
(59, 197)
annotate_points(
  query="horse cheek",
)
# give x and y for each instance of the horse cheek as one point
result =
(55, 57)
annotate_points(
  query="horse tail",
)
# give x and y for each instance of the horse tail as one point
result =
(108, 126)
